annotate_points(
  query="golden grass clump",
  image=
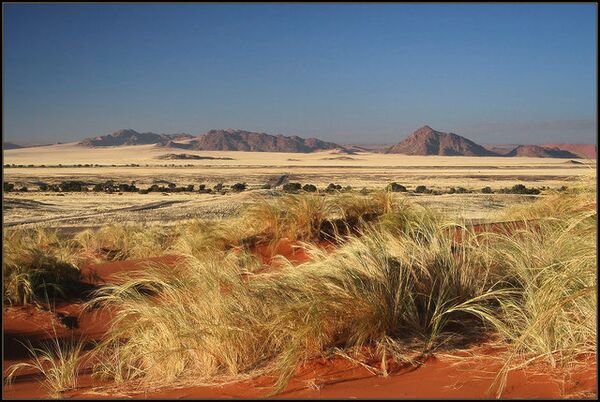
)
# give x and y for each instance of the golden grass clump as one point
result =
(550, 273)
(58, 361)
(201, 236)
(36, 264)
(123, 241)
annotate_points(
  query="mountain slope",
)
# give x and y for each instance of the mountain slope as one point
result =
(588, 151)
(537, 151)
(132, 137)
(241, 140)
(427, 141)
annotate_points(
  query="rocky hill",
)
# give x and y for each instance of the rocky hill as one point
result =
(536, 151)
(132, 137)
(240, 140)
(427, 141)
(588, 151)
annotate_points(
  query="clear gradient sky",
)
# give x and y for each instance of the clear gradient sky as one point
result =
(503, 73)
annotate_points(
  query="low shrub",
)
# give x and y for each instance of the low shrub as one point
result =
(291, 187)
(238, 187)
(309, 188)
(395, 188)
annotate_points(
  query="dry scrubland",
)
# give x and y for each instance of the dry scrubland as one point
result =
(360, 170)
(386, 281)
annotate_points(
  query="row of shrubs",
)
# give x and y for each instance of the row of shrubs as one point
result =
(110, 187)
(516, 189)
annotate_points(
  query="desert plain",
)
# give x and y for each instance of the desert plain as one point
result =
(237, 247)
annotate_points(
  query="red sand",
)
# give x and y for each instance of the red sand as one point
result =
(108, 272)
(292, 250)
(468, 377)
(438, 378)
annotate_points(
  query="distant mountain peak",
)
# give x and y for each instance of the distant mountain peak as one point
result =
(427, 141)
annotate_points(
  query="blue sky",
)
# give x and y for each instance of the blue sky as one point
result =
(503, 73)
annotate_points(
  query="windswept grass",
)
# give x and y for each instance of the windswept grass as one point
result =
(120, 242)
(36, 263)
(205, 321)
(58, 362)
(551, 273)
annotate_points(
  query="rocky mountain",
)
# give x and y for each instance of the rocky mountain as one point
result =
(427, 141)
(241, 140)
(536, 151)
(588, 151)
(132, 137)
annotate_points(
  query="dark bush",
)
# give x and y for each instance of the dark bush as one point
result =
(72, 185)
(452, 190)
(8, 187)
(309, 188)
(292, 187)
(462, 190)
(43, 186)
(487, 190)
(420, 189)
(395, 188)
(238, 187)
(333, 187)
(266, 186)
(520, 189)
